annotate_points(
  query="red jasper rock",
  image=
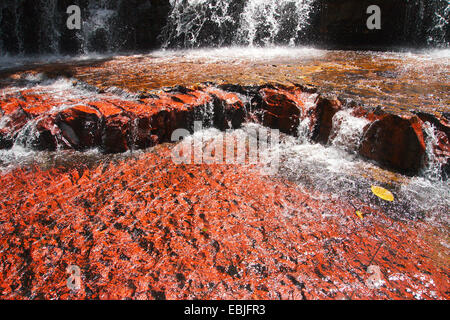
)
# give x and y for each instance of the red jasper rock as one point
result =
(369, 114)
(80, 126)
(146, 228)
(395, 142)
(229, 109)
(11, 105)
(283, 109)
(322, 118)
(47, 134)
(116, 125)
(107, 109)
(14, 119)
(115, 134)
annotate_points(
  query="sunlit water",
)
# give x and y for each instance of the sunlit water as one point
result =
(400, 81)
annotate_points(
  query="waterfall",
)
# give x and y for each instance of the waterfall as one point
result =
(274, 21)
(439, 29)
(195, 23)
(49, 34)
(100, 28)
(434, 169)
(192, 22)
(39, 26)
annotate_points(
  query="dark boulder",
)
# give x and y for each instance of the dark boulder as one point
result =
(395, 142)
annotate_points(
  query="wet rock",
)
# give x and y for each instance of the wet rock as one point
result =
(370, 114)
(440, 123)
(322, 118)
(343, 24)
(13, 120)
(282, 111)
(284, 107)
(80, 127)
(396, 142)
(229, 112)
(136, 228)
(115, 134)
(142, 136)
(47, 134)
(119, 124)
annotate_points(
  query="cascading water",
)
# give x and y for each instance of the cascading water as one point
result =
(192, 20)
(274, 21)
(38, 27)
(195, 23)
(49, 34)
(434, 168)
(438, 32)
(10, 15)
(100, 31)
(427, 22)
(347, 131)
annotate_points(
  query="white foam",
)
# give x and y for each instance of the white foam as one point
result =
(194, 23)
(347, 130)
(270, 15)
(227, 54)
(439, 54)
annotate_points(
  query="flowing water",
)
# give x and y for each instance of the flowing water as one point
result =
(240, 42)
(335, 169)
(254, 48)
(100, 32)
(40, 29)
(195, 23)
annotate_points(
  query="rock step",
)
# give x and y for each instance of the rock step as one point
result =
(116, 125)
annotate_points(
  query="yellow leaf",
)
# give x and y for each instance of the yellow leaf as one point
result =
(383, 193)
(360, 214)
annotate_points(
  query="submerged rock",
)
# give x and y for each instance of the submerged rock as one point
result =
(146, 228)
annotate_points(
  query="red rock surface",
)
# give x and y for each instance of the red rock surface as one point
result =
(142, 227)
(116, 124)
(110, 123)
(145, 228)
